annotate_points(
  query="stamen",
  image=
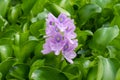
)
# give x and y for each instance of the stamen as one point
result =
(61, 19)
(66, 47)
(52, 23)
(58, 38)
(56, 29)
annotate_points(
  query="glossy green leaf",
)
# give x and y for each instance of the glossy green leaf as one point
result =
(47, 73)
(9, 34)
(117, 9)
(5, 66)
(107, 68)
(118, 75)
(3, 23)
(35, 27)
(14, 13)
(5, 41)
(40, 16)
(18, 71)
(71, 76)
(27, 5)
(66, 4)
(38, 7)
(23, 47)
(55, 9)
(92, 73)
(27, 49)
(17, 39)
(37, 64)
(82, 35)
(0, 75)
(87, 11)
(38, 49)
(104, 4)
(116, 19)
(73, 71)
(5, 52)
(52, 60)
(103, 36)
(115, 43)
(112, 51)
(21, 38)
(4, 7)
(24, 37)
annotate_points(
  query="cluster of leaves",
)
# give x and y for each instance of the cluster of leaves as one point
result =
(22, 27)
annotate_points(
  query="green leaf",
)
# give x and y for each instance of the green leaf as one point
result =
(38, 7)
(27, 5)
(92, 73)
(71, 76)
(3, 23)
(112, 51)
(118, 75)
(0, 75)
(18, 71)
(65, 4)
(87, 11)
(72, 68)
(116, 18)
(5, 66)
(47, 73)
(38, 49)
(4, 7)
(52, 60)
(35, 27)
(40, 16)
(5, 41)
(37, 64)
(27, 49)
(73, 71)
(104, 3)
(17, 39)
(55, 9)
(103, 36)
(116, 8)
(23, 37)
(23, 47)
(116, 21)
(82, 35)
(107, 68)
(9, 34)
(5, 52)
(14, 13)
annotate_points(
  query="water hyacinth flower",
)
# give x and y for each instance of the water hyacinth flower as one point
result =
(60, 37)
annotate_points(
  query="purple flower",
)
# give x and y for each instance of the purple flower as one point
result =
(56, 43)
(52, 24)
(47, 48)
(68, 50)
(60, 37)
(65, 23)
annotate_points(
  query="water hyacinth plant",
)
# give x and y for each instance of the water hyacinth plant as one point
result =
(59, 39)
(60, 36)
